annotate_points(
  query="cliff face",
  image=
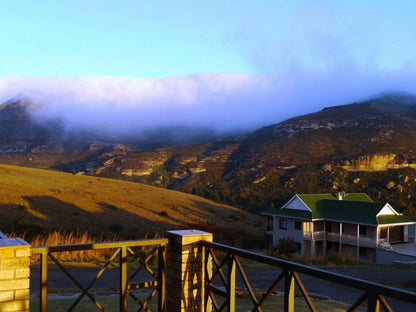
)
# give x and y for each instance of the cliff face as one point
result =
(377, 162)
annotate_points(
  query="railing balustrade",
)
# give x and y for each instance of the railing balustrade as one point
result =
(221, 282)
(318, 235)
(123, 251)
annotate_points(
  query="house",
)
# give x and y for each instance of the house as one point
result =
(341, 223)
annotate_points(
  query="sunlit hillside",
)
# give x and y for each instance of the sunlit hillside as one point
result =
(34, 200)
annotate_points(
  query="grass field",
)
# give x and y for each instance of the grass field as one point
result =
(111, 303)
(36, 201)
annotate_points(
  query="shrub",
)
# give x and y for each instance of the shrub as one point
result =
(115, 228)
(288, 246)
(30, 229)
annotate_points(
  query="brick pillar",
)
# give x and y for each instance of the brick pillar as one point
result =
(14, 274)
(185, 270)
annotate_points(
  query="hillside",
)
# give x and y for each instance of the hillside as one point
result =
(38, 200)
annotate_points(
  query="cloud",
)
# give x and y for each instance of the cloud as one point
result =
(125, 104)
(224, 103)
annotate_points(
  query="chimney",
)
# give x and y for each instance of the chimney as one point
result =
(340, 195)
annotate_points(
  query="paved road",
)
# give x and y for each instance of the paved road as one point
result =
(260, 279)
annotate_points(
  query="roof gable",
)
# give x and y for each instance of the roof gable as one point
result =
(296, 203)
(387, 210)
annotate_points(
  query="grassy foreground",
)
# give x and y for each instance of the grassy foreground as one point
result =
(37, 201)
(111, 303)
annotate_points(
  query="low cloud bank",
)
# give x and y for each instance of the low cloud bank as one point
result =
(226, 103)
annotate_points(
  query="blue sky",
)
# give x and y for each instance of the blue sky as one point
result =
(246, 62)
(165, 38)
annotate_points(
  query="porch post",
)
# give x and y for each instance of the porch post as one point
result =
(358, 241)
(312, 240)
(340, 237)
(388, 234)
(185, 267)
(414, 232)
(14, 274)
(324, 245)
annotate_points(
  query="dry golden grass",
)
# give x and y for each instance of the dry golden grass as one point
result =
(83, 257)
(34, 200)
(58, 238)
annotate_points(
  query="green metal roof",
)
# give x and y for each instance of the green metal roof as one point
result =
(311, 200)
(298, 214)
(391, 219)
(348, 211)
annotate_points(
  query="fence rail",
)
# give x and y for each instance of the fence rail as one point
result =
(122, 250)
(225, 268)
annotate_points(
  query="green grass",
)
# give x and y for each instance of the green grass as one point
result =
(111, 303)
(407, 285)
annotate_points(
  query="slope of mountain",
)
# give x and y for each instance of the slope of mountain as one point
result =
(361, 147)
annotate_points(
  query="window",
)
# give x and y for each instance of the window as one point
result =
(298, 225)
(363, 230)
(283, 224)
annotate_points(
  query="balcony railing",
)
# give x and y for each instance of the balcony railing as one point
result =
(345, 238)
(318, 235)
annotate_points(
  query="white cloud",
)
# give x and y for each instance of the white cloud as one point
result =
(223, 102)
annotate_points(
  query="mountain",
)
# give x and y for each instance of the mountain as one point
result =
(360, 147)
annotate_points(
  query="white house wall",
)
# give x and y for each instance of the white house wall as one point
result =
(290, 232)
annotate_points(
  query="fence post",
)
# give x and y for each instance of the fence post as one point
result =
(185, 283)
(373, 304)
(289, 292)
(231, 285)
(14, 274)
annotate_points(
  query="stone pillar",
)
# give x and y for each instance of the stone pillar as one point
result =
(14, 274)
(185, 271)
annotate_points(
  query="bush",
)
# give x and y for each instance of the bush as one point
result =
(30, 229)
(288, 246)
(115, 228)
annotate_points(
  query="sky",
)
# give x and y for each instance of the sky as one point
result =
(232, 65)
